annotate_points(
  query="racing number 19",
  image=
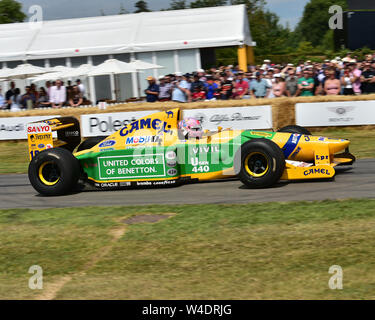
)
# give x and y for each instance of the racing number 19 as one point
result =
(33, 154)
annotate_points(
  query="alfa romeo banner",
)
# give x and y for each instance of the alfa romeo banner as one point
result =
(237, 118)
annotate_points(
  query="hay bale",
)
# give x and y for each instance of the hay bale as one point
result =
(283, 108)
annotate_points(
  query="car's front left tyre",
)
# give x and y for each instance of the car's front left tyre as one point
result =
(54, 172)
(261, 163)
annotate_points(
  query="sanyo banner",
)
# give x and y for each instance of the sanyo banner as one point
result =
(105, 124)
(14, 128)
(344, 113)
(237, 118)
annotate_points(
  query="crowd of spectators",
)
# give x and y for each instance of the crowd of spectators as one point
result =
(347, 76)
(55, 94)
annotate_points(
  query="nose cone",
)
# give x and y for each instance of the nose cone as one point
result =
(337, 145)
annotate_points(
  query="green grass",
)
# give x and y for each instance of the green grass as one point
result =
(14, 155)
(255, 251)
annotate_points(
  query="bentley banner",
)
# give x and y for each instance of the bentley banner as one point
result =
(237, 118)
(326, 114)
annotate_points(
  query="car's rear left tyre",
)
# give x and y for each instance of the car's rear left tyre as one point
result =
(54, 172)
(262, 163)
(295, 129)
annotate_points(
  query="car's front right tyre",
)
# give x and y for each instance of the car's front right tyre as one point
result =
(54, 172)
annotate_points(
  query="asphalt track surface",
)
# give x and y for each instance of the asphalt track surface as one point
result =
(356, 182)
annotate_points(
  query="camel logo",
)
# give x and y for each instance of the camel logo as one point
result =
(341, 110)
(169, 113)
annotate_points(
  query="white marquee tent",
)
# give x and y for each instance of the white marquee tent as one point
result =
(135, 34)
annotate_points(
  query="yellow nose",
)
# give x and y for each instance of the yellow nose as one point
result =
(337, 145)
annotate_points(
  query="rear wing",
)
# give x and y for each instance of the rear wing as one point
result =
(40, 135)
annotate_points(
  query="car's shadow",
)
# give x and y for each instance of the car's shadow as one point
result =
(84, 187)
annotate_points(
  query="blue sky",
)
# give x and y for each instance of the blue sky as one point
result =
(288, 10)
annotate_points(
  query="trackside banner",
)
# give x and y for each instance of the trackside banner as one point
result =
(14, 128)
(105, 124)
(237, 118)
(345, 113)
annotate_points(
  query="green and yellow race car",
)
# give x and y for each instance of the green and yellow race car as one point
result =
(163, 150)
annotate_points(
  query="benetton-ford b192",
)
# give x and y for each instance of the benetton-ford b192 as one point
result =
(155, 151)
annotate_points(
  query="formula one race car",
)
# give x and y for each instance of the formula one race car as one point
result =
(156, 151)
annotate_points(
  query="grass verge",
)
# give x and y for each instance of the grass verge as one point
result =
(255, 251)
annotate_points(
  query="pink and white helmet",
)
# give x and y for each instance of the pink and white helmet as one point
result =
(190, 128)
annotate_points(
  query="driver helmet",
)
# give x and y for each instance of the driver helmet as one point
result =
(191, 128)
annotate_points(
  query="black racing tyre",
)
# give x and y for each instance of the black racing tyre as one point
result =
(54, 172)
(261, 163)
(89, 143)
(295, 129)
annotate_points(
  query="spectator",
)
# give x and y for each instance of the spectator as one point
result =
(165, 89)
(152, 91)
(332, 86)
(48, 88)
(355, 77)
(199, 94)
(43, 100)
(241, 87)
(259, 87)
(189, 79)
(211, 88)
(69, 89)
(291, 84)
(3, 103)
(278, 87)
(81, 88)
(201, 75)
(28, 100)
(58, 95)
(10, 93)
(15, 100)
(368, 79)
(76, 97)
(226, 90)
(346, 83)
(34, 90)
(268, 76)
(196, 83)
(306, 84)
(181, 92)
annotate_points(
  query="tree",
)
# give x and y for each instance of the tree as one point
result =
(123, 10)
(314, 23)
(271, 37)
(251, 5)
(141, 6)
(11, 11)
(178, 5)
(208, 3)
